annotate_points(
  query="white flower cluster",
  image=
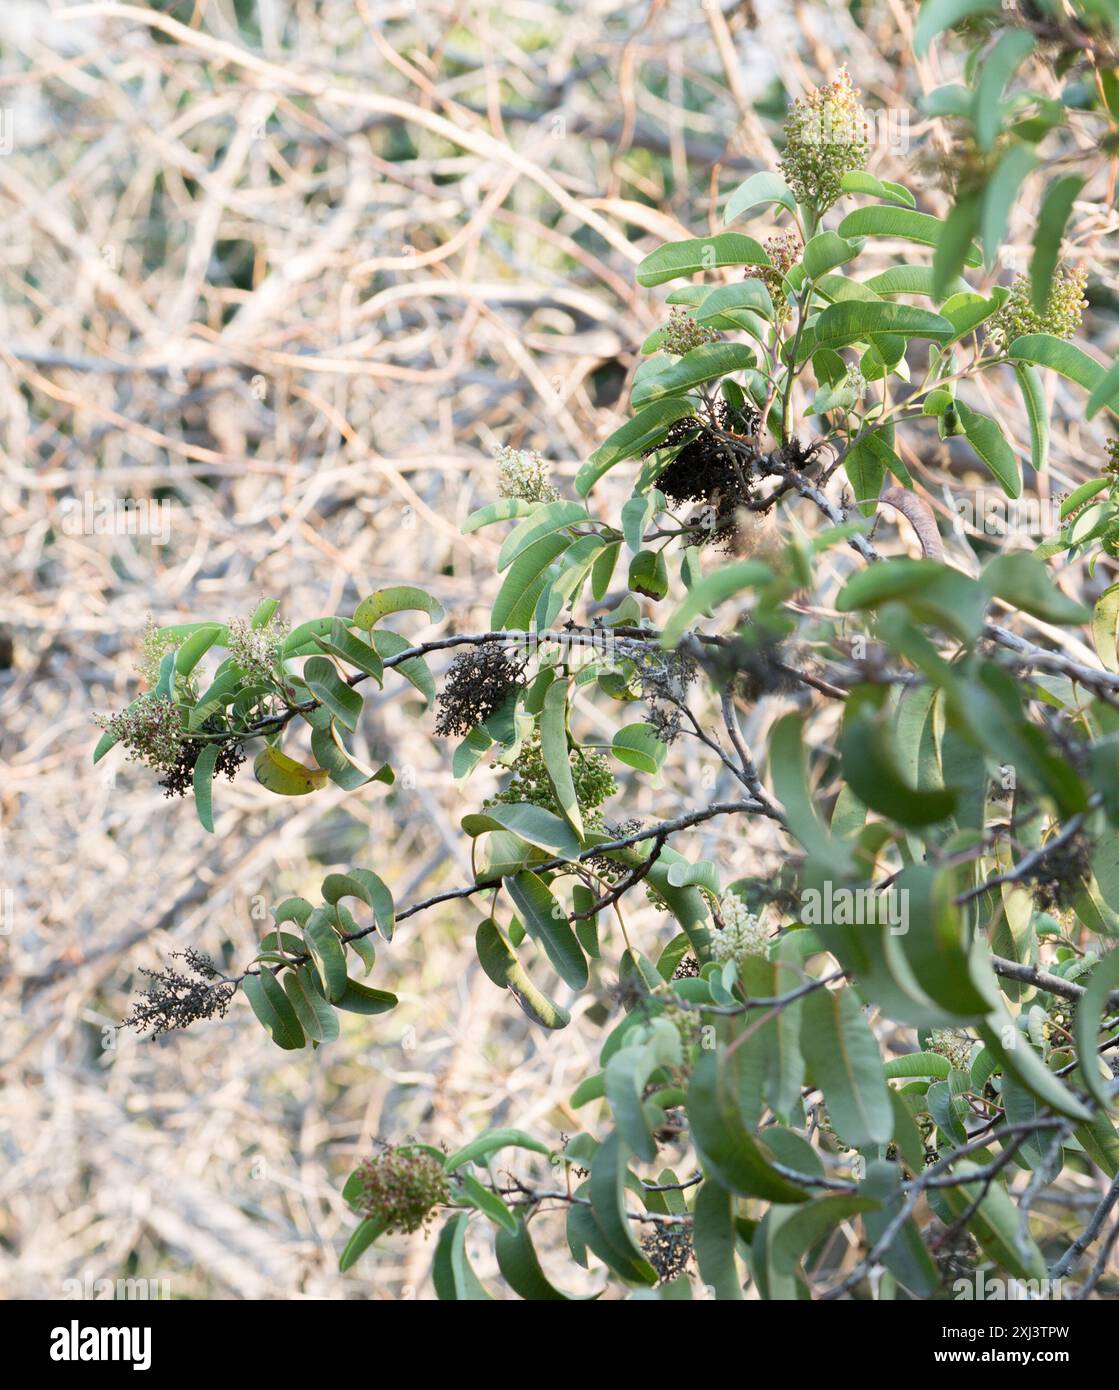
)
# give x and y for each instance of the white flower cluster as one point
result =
(856, 382)
(523, 473)
(744, 934)
(257, 649)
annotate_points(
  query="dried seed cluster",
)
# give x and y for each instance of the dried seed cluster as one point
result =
(825, 137)
(402, 1188)
(711, 470)
(523, 474)
(668, 1249)
(180, 780)
(477, 683)
(174, 999)
(1063, 312)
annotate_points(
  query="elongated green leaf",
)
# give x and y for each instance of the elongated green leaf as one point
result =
(609, 1173)
(317, 1019)
(938, 15)
(546, 922)
(369, 1230)
(360, 999)
(702, 364)
(557, 761)
(858, 320)
(844, 1061)
(204, 784)
(646, 428)
(520, 1268)
(499, 960)
(678, 258)
(398, 598)
(272, 1007)
(902, 223)
(714, 1236)
(810, 1223)
(328, 687)
(996, 1225)
(389, 646)
(553, 516)
(759, 190)
(327, 952)
(505, 509)
(196, 646)
(1089, 1012)
(1072, 362)
(516, 599)
(535, 824)
(1056, 207)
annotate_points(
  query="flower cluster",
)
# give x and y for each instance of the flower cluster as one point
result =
(257, 649)
(825, 138)
(590, 772)
(523, 474)
(401, 1189)
(783, 251)
(173, 999)
(156, 644)
(1063, 311)
(150, 729)
(477, 683)
(744, 934)
(682, 333)
(956, 1047)
(1111, 467)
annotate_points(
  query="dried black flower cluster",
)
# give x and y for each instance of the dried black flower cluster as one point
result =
(688, 968)
(753, 665)
(173, 999)
(180, 780)
(478, 681)
(711, 472)
(605, 868)
(668, 1249)
(665, 680)
(1060, 875)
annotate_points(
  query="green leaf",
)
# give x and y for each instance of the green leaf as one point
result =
(916, 1064)
(557, 760)
(1104, 393)
(989, 442)
(1009, 53)
(711, 590)
(520, 1268)
(272, 1007)
(516, 599)
(825, 251)
(327, 952)
(360, 999)
(1056, 207)
(363, 1237)
(499, 961)
(397, 599)
(535, 824)
(738, 1160)
(389, 646)
(546, 922)
(327, 686)
(648, 574)
(858, 181)
(901, 223)
(758, 191)
(702, 364)
(844, 1062)
(858, 320)
(789, 772)
(871, 769)
(1072, 362)
(1022, 580)
(714, 1236)
(505, 509)
(1089, 1013)
(347, 647)
(315, 1015)
(646, 428)
(938, 15)
(934, 592)
(284, 776)
(609, 1173)
(196, 646)
(1000, 194)
(204, 784)
(1037, 412)
(809, 1224)
(553, 516)
(1105, 628)
(454, 1279)
(996, 1224)
(678, 258)
(638, 746)
(627, 1076)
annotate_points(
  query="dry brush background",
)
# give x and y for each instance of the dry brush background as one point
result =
(297, 269)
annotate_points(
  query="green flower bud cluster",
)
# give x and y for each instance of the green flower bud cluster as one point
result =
(523, 474)
(1111, 467)
(1062, 316)
(257, 649)
(155, 646)
(590, 772)
(150, 730)
(682, 333)
(825, 138)
(401, 1189)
